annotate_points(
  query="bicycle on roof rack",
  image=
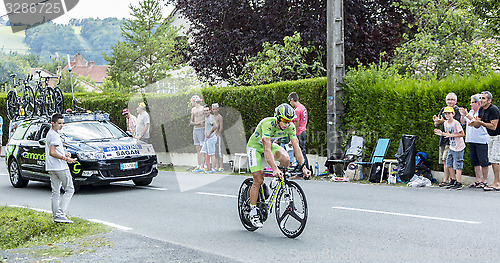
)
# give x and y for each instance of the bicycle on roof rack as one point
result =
(48, 100)
(23, 105)
(288, 198)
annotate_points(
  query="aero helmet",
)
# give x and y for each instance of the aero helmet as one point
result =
(284, 111)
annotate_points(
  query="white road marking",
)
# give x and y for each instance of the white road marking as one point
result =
(223, 195)
(142, 187)
(123, 228)
(408, 215)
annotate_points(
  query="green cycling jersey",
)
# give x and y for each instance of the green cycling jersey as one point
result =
(268, 128)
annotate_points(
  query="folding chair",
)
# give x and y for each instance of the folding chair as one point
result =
(378, 155)
(353, 151)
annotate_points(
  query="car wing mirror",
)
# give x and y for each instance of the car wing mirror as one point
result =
(130, 134)
(41, 141)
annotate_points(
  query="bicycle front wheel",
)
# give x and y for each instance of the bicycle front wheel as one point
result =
(244, 204)
(28, 101)
(12, 105)
(291, 209)
(59, 100)
(50, 101)
(39, 104)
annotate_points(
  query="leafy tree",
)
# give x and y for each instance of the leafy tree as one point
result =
(100, 36)
(151, 47)
(489, 10)
(13, 63)
(47, 39)
(282, 62)
(65, 84)
(225, 33)
(447, 41)
(113, 86)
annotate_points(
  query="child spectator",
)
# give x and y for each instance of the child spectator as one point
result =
(455, 159)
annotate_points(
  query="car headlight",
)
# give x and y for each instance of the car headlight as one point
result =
(90, 156)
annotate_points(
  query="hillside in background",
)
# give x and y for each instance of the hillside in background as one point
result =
(91, 37)
(12, 42)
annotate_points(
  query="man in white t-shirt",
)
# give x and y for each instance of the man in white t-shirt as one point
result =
(477, 138)
(143, 123)
(56, 163)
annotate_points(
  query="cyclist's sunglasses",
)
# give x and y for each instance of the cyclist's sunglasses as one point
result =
(285, 120)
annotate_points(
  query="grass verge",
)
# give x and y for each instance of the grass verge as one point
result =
(24, 228)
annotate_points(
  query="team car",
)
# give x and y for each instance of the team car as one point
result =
(104, 153)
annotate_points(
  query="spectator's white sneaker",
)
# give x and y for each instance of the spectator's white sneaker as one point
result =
(62, 220)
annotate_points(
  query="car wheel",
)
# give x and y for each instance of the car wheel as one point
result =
(15, 175)
(143, 182)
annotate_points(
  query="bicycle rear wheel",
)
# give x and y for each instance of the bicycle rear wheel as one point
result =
(291, 209)
(12, 105)
(39, 105)
(244, 204)
(28, 101)
(59, 100)
(49, 101)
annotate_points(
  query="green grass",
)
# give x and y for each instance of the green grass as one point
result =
(12, 42)
(22, 228)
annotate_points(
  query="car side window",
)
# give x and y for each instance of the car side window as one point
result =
(32, 131)
(20, 130)
(43, 132)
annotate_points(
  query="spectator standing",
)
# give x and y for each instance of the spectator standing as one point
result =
(218, 132)
(143, 123)
(131, 121)
(489, 115)
(455, 158)
(300, 121)
(56, 163)
(208, 148)
(198, 123)
(477, 138)
(444, 143)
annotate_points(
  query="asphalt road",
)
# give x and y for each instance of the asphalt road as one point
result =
(347, 222)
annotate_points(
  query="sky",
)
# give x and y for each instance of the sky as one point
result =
(97, 9)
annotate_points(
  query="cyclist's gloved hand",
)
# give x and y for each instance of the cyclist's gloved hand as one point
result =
(278, 173)
(307, 173)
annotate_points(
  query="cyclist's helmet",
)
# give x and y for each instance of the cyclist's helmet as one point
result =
(284, 112)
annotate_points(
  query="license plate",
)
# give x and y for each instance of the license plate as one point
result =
(126, 166)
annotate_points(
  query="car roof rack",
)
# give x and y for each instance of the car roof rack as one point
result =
(86, 116)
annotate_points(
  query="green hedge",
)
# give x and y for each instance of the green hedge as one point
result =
(378, 104)
(381, 104)
(241, 107)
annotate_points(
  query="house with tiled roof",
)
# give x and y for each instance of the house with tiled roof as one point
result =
(82, 67)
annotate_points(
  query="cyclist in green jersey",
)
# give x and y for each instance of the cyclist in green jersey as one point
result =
(262, 143)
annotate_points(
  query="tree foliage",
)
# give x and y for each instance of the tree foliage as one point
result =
(225, 33)
(150, 48)
(282, 62)
(449, 40)
(47, 39)
(488, 10)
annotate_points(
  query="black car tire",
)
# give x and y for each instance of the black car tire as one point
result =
(15, 175)
(143, 182)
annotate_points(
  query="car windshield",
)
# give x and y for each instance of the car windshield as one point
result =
(91, 130)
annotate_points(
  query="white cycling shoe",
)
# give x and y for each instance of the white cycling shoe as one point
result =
(255, 220)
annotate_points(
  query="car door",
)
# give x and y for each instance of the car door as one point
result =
(28, 151)
(40, 149)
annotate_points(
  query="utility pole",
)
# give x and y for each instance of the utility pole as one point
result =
(335, 73)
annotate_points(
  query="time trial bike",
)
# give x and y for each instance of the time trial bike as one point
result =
(286, 197)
